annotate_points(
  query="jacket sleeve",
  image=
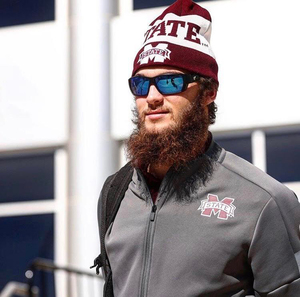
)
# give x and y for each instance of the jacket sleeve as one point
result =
(274, 252)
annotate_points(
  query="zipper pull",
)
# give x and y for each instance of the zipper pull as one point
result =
(153, 211)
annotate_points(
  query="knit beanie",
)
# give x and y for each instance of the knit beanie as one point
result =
(179, 38)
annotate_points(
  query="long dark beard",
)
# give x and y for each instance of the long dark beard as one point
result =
(173, 146)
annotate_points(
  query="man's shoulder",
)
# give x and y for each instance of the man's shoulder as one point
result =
(247, 173)
(119, 175)
(117, 182)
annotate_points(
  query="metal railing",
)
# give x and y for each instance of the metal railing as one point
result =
(17, 289)
(63, 282)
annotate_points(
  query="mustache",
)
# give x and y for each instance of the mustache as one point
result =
(158, 110)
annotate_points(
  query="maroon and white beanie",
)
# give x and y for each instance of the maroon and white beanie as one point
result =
(179, 38)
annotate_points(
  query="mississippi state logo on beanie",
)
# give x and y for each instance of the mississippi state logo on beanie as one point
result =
(179, 38)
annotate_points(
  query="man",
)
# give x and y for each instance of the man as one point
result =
(195, 220)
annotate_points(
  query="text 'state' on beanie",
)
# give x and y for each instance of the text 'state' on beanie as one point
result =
(179, 38)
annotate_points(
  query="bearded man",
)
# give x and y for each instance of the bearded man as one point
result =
(195, 220)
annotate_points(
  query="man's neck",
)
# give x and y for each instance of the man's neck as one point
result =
(158, 171)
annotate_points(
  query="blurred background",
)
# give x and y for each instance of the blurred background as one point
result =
(65, 110)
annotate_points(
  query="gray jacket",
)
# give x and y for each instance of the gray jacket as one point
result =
(237, 234)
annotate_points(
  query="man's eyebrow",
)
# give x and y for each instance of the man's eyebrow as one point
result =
(165, 73)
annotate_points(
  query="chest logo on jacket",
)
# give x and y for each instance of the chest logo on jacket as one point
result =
(212, 205)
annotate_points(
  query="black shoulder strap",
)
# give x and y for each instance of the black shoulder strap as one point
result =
(113, 192)
(116, 192)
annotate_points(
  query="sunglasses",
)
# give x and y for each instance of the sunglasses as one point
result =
(166, 84)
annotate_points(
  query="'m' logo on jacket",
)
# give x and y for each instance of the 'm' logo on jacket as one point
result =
(223, 208)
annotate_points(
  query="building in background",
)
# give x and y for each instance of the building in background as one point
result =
(65, 109)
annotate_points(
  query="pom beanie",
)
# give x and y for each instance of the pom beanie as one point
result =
(179, 38)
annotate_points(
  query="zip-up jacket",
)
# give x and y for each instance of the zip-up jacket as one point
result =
(237, 234)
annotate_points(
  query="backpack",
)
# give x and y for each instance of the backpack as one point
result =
(113, 192)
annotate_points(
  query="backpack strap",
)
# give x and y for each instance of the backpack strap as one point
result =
(118, 187)
(113, 192)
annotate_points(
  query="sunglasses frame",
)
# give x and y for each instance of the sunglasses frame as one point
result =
(187, 79)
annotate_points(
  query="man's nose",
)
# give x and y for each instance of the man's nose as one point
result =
(154, 96)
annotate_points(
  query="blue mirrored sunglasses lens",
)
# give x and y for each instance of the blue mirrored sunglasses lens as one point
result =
(139, 85)
(169, 84)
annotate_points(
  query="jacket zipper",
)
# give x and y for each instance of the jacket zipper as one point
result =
(153, 212)
(148, 251)
(149, 239)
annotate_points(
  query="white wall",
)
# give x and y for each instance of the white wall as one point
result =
(257, 48)
(34, 100)
(34, 63)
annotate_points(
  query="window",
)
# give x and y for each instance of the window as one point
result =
(20, 12)
(27, 177)
(142, 4)
(23, 238)
(283, 157)
(239, 144)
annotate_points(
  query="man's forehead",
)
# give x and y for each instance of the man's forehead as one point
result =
(157, 70)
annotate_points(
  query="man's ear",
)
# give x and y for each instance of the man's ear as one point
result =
(210, 96)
